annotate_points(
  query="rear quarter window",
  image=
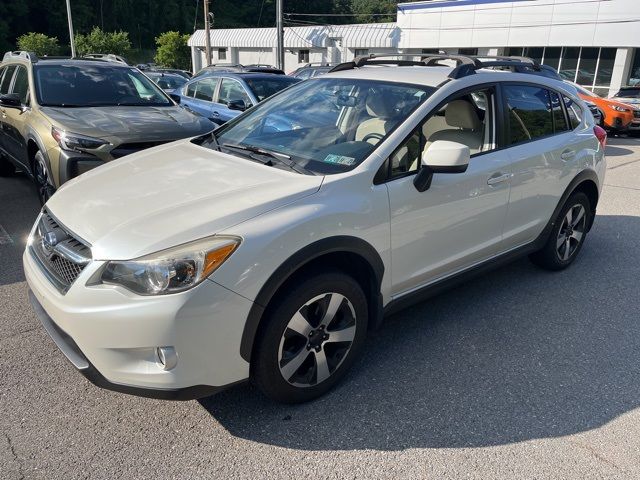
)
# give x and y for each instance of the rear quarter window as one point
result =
(574, 112)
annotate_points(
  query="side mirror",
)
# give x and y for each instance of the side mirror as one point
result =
(10, 100)
(442, 156)
(175, 98)
(237, 105)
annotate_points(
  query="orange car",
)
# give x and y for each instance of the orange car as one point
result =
(617, 116)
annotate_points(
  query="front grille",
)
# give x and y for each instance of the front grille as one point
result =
(60, 254)
(129, 148)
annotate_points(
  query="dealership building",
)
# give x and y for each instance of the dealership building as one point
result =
(595, 43)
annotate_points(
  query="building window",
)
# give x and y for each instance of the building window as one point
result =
(634, 74)
(430, 51)
(361, 52)
(535, 53)
(303, 56)
(468, 51)
(222, 54)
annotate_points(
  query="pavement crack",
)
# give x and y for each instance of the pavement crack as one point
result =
(15, 456)
(597, 455)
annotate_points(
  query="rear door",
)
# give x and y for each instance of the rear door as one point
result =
(199, 95)
(544, 152)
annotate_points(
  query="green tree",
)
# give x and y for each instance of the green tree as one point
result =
(98, 41)
(173, 51)
(39, 43)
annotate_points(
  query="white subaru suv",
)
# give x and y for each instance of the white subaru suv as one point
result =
(267, 249)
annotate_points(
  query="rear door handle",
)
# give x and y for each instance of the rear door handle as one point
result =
(567, 155)
(498, 178)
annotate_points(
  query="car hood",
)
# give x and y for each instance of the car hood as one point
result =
(120, 124)
(169, 195)
(628, 100)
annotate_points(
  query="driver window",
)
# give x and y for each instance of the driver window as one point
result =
(232, 90)
(465, 120)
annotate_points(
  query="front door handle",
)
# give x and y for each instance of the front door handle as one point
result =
(567, 155)
(215, 114)
(498, 178)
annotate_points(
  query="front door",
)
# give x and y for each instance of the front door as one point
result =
(16, 119)
(458, 221)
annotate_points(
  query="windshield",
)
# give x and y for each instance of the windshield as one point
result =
(265, 87)
(327, 125)
(167, 82)
(628, 93)
(95, 85)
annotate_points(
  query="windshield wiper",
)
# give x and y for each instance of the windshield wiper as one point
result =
(281, 158)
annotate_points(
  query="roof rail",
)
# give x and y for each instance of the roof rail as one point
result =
(30, 56)
(109, 57)
(465, 64)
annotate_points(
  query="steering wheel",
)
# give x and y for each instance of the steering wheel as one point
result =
(375, 136)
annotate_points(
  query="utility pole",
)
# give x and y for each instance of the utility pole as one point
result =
(207, 40)
(280, 29)
(71, 38)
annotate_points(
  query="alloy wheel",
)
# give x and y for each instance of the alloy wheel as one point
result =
(571, 232)
(43, 182)
(317, 339)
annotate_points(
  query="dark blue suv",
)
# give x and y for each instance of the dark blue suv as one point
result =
(221, 96)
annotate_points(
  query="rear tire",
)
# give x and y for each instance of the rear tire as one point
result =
(311, 337)
(567, 235)
(6, 167)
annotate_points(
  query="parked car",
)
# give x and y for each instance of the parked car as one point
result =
(222, 96)
(169, 82)
(617, 116)
(595, 111)
(175, 71)
(263, 254)
(62, 117)
(311, 70)
(631, 96)
(236, 68)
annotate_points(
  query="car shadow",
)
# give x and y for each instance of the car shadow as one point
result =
(517, 354)
(615, 151)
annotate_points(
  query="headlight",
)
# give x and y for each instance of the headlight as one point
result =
(173, 270)
(75, 141)
(619, 109)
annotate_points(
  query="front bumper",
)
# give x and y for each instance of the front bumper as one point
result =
(73, 353)
(111, 335)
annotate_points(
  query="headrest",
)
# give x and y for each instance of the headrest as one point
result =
(461, 114)
(379, 105)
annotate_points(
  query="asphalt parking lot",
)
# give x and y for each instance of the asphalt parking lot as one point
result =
(521, 373)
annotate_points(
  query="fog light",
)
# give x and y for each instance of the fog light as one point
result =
(167, 357)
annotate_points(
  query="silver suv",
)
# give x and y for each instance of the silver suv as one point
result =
(267, 249)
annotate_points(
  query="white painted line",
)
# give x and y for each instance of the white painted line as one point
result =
(5, 239)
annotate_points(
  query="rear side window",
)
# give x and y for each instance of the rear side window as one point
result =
(205, 89)
(530, 115)
(559, 120)
(6, 80)
(191, 90)
(574, 112)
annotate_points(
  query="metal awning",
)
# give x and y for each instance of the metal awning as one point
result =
(367, 35)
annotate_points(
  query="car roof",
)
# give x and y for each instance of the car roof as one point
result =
(240, 75)
(429, 76)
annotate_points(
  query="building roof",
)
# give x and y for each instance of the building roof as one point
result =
(364, 35)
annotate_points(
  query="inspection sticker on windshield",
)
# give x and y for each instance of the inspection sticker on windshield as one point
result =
(339, 159)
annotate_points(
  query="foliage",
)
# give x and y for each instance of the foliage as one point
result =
(144, 20)
(103, 42)
(39, 43)
(173, 51)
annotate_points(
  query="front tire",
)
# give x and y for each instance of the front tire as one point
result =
(311, 337)
(42, 179)
(567, 236)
